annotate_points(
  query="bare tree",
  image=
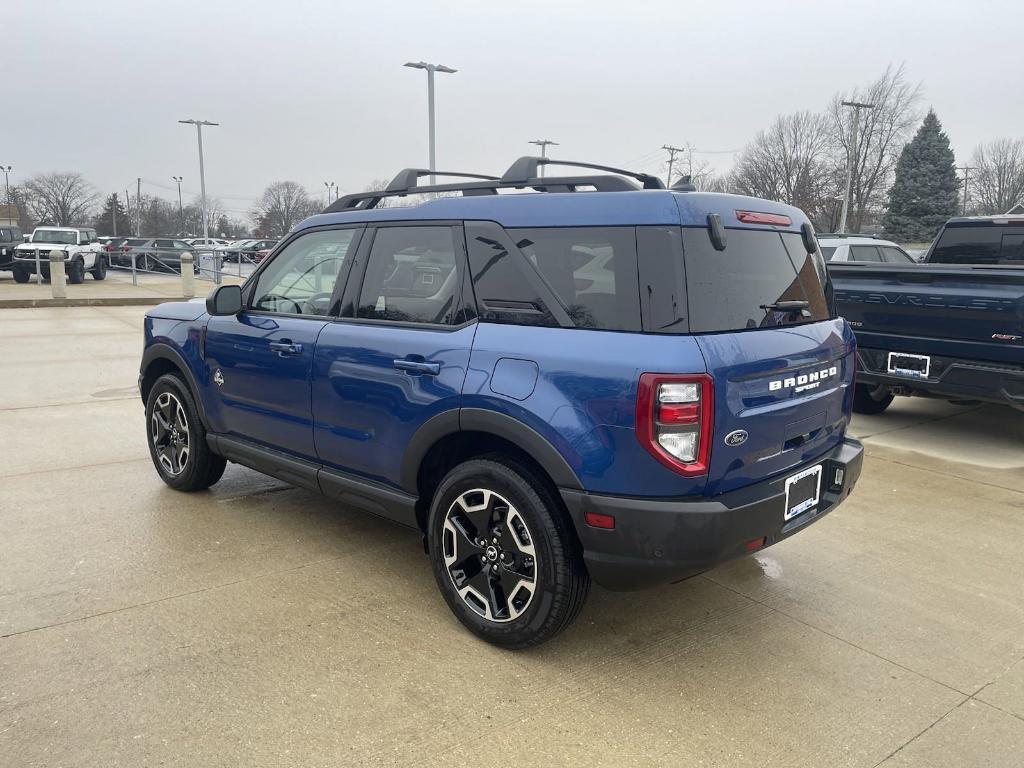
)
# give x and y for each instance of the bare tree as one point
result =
(883, 132)
(60, 199)
(793, 161)
(999, 179)
(283, 205)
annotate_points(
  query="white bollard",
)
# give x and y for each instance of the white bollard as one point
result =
(57, 282)
(188, 277)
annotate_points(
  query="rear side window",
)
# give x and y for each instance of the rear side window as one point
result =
(980, 244)
(865, 253)
(1012, 248)
(894, 255)
(591, 270)
(828, 252)
(736, 289)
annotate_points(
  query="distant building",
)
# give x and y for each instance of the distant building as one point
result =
(1018, 208)
(8, 215)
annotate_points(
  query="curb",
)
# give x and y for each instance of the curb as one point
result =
(90, 301)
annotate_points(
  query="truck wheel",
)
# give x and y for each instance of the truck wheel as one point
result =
(76, 272)
(177, 439)
(20, 275)
(99, 272)
(504, 554)
(868, 399)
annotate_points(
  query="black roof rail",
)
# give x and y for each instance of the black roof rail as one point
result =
(408, 178)
(522, 174)
(526, 168)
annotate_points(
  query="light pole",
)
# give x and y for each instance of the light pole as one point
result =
(202, 171)
(850, 157)
(7, 181)
(181, 208)
(543, 144)
(431, 69)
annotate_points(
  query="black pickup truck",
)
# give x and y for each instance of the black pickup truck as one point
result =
(951, 327)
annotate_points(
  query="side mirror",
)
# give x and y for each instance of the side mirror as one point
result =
(224, 301)
(807, 234)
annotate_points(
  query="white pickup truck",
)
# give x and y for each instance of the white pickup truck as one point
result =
(82, 253)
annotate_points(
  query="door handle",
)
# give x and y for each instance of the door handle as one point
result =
(417, 367)
(286, 348)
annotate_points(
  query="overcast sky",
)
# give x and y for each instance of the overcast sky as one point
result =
(316, 91)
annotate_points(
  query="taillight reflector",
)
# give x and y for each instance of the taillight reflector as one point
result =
(674, 417)
(758, 217)
(598, 520)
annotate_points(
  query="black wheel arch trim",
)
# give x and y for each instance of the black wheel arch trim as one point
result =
(160, 351)
(491, 422)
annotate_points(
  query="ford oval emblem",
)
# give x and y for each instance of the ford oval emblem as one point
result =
(736, 437)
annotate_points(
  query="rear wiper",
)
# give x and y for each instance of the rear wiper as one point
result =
(788, 306)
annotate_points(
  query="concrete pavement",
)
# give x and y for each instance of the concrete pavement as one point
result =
(257, 624)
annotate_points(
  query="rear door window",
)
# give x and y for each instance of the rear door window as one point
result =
(591, 270)
(739, 288)
(864, 253)
(893, 255)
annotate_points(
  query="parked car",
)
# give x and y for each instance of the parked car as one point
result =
(79, 245)
(441, 366)
(951, 327)
(153, 254)
(245, 249)
(862, 248)
(201, 242)
(10, 238)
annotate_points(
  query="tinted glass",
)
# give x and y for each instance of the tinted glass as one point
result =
(828, 252)
(411, 276)
(734, 289)
(662, 279)
(179, 244)
(592, 271)
(162, 243)
(300, 279)
(968, 245)
(507, 287)
(864, 253)
(5, 234)
(1013, 248)
(894, 255)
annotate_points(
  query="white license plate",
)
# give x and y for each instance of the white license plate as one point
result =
(910, 366)
(803, 491)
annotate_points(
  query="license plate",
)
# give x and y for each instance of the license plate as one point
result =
(802, 491)
(911, 366)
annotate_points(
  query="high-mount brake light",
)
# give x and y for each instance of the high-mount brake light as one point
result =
(758, 217)
(674, 418)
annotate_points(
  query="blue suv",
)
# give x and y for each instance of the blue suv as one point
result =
(600, 379)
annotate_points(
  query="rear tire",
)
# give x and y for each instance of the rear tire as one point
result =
(99, 271)
(504, 554)
(871, 399)
(177, 438)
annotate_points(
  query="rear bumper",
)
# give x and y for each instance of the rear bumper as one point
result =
(950, 378)
(657, 541)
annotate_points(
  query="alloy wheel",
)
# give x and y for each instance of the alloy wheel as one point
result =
(169, 433)
(489, 555)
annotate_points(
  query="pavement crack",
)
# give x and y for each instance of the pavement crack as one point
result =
(951, 474)
(922, 733)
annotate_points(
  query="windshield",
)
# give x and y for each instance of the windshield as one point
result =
(54, 236)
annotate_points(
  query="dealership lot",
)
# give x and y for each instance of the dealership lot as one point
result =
(265, 625)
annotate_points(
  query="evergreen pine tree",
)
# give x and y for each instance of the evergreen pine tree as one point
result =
(104, 221)
(925, 191)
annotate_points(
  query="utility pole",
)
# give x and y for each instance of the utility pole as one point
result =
(967, 171)
(671, 161)
(202, 171)
(181, 208)
(7, 181)
(128, 209)
(850, 158)
(138, 207)
(113, 215)
(431, 69)
(543, 144)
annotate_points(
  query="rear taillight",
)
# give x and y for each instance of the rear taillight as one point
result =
(674, 419)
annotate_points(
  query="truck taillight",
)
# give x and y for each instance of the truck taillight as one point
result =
(674, 419)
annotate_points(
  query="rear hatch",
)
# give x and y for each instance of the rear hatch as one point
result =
(782, 376)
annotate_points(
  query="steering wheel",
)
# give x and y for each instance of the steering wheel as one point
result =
(275, 299)
(311, 307)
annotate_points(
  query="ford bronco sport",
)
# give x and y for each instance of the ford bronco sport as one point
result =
(600, 380)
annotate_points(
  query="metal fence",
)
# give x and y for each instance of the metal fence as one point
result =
(209, 265)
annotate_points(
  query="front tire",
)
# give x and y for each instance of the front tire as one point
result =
(504, 554)
(177, 438)
(871, 399)
(20, 275)
(76, 272)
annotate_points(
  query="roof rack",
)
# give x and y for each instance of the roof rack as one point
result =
(522, 174)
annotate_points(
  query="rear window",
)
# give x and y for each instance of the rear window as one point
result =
(738, 288)
(980, 244)
(592, 271)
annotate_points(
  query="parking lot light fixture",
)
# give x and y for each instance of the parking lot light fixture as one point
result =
(202, 171)
(181, 208)
(7, 182)
(431, 69)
